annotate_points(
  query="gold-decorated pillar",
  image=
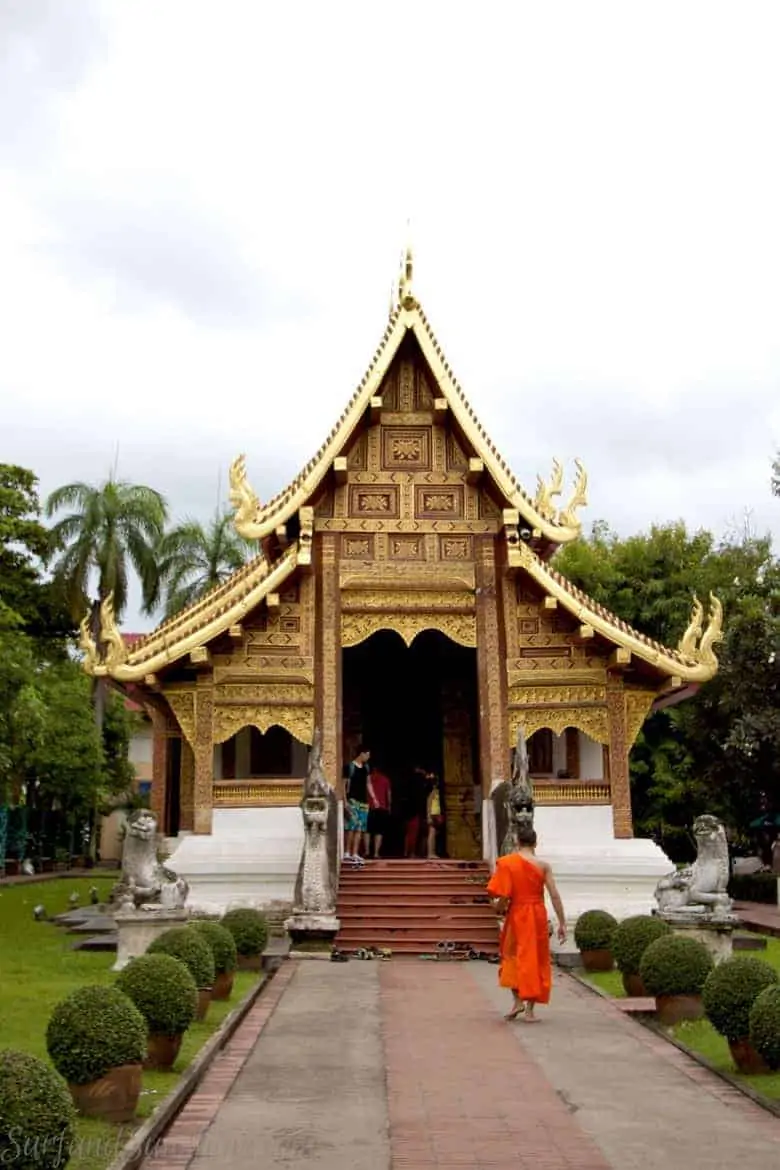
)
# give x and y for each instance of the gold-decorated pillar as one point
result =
(187, 787)
(204, 753)
(328, 700)
(160, 753)
(619, 748)
(491, 672)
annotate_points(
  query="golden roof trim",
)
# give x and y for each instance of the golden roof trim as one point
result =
(212, 615)
(693, 661)
(254, 520)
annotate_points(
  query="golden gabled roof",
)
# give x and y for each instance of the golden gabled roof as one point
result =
(224, 606)
(254, 520)
(693, 661)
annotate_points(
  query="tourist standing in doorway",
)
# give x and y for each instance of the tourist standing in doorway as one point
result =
(379, 800)
(435, 817)
(416, 810)
(356, 806)
(517, 887)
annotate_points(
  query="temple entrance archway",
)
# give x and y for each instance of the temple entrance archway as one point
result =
(415, 705)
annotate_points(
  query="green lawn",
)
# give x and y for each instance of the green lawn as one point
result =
(38, 968)
(700, 1035)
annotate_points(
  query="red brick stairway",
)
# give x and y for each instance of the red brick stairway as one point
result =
(410, 906)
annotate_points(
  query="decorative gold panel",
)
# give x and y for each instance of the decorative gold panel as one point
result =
(456, 548)
(591, 720)
(374, 501)
(573, 792)
(406, 548)
(532, 695)
(182, 703)
(359, 548)
(407, 601)
(406, 448)
(262, 694)
(250, 794)
(299, 721)
(439, 502)
(460, 627)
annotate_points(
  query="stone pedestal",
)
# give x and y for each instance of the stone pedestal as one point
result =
(715, 935)
(308, 927)
(137, 930)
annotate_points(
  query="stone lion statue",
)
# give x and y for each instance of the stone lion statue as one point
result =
(701, 889)
(145, 883)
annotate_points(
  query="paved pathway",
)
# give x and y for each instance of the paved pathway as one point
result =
(409, 1065)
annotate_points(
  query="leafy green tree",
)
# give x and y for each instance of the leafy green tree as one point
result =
(194, 558)
(720, 750)
(776, 476)
(112, 529)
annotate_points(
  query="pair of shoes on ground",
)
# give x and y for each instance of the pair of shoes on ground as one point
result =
(373, 953)
(353, 859)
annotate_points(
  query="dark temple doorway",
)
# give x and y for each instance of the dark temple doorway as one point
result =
(417, 705)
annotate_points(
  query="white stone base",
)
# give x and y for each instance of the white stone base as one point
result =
(250, 858)
(137, 930)
(593, 869)
(717, 939)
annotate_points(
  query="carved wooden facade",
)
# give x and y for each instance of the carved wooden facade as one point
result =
(407, 520)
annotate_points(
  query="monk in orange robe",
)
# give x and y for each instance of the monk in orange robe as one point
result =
(517, 888)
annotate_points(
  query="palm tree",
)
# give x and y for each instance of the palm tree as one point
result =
(193, 559)
(111, 529)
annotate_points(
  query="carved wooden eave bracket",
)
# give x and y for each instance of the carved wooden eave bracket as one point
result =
(256, 521)
(694, 660)
(188, 633)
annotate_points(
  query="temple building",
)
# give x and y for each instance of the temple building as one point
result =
(402, 595)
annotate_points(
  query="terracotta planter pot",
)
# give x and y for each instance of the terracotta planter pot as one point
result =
(250, 962)
(162, 1050)
(223, 985)
(634, 987)
(204, 1000)
(113, 1098)
(671, 1009)
(746, 1058)
(600, 960)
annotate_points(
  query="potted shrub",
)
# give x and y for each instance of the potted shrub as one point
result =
(728, 995)
(630, 940)
(223, 948)
(593, 936)
(250, 933)
(764, 1025)
(164, 992)
(96, 1039)
(190, 948)
(36, 1109)
(674, 969)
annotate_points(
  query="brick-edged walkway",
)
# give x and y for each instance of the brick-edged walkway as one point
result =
(178, 1146)
(461, 1091)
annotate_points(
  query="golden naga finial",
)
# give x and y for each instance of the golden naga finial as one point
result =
(546, 492)
(242, 497)
(87, 645)
(567, 517)
(115, 652)
(713, 634)
(688, 644)
(406, 298)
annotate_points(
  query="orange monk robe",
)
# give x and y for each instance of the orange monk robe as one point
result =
(525, 937)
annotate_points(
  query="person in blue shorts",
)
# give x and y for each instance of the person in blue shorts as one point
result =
(356, 806)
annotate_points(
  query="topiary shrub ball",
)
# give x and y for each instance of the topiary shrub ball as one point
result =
(764, 1026)
(730, 992)
(675, 965)
(163, 990)
(190, 948)
(222, 944)
(249, 929)
(92, 1031)
(631, 939)
(594, 930)
(37, 1116)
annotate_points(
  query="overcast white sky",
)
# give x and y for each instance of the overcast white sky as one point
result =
(202, 206)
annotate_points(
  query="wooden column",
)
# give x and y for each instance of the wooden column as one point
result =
(187, 788)
(618, 756)
(204, 753)
(491, 669)
(573, 753)
(160, 743)
(328, 701)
